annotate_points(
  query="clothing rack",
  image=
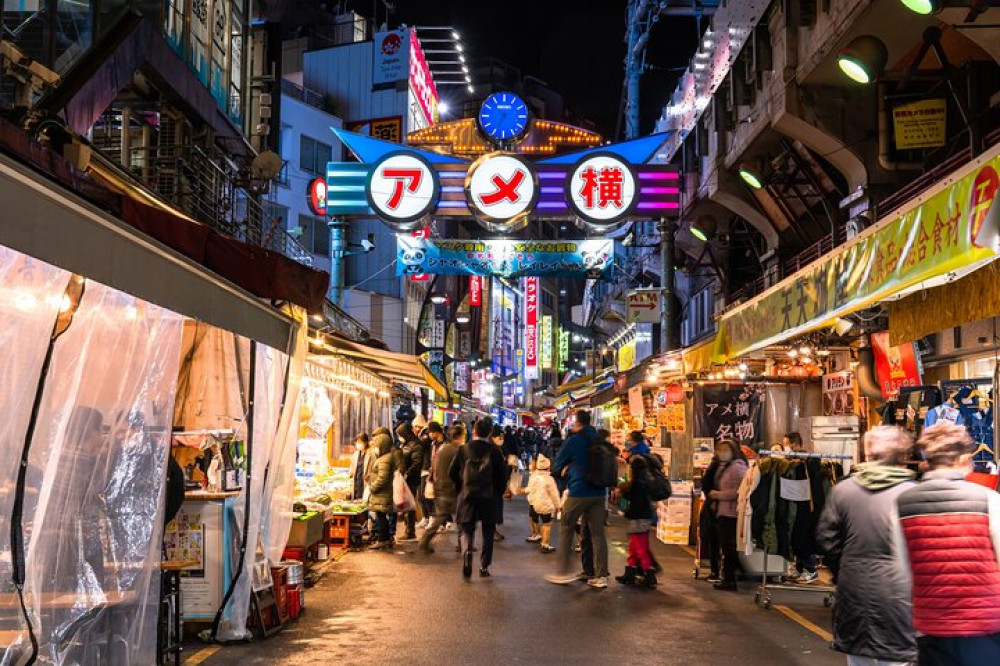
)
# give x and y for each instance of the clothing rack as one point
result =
(763, 594)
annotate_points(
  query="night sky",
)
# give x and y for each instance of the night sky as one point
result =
(578, 48)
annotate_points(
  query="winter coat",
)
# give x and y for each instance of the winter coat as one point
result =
(636, 490)
(543, 496)
(950, 530)
(380, 477)
(727, 484)
(366, 459)
(445, 494)
(871, 614)
(472, 509)
(412, 462)
(573, 457)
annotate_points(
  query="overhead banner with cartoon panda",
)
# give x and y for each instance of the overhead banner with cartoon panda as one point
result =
(585, 259)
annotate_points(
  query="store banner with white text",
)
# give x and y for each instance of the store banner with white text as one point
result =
(952, 231)
(728, 412)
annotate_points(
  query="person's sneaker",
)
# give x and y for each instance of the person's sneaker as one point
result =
(534, 538)
(484, 573)
(714, 578)
(467, 565)
(422, 525)
(793, 576)
(598, 583)
(584, 576)
(379, 545)
(546, 549)
(498, 537)
(808, 577)
(578, 548)
(562, 579)
(722, 585)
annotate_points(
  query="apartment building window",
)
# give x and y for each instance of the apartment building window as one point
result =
(315, 235)
(548, 300)
(698, 321)
(314, 155)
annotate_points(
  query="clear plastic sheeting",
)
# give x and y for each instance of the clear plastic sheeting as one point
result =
(279, 495)
(95, 483)
(268, 398)
(30, 298)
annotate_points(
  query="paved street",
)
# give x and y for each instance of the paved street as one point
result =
(403, 607)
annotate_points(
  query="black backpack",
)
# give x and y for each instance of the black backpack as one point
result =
(659, 485)
(477, 477)
(602, 464)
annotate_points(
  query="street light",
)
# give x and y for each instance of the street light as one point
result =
(863, 60)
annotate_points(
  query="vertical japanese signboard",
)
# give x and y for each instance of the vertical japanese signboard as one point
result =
(475, 291)
(531, 328)
(725, 412)
(422, 86)
(563, 349)
(545, 342)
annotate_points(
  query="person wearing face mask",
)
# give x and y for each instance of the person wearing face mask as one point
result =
(732, 468)
(362, 461)
(949, 534)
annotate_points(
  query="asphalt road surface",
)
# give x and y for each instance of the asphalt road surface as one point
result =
(404, 607)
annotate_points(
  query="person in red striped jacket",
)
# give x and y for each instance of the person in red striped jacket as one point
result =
(949, 533)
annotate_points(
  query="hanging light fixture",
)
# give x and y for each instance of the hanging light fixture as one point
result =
(703, 228)
(863, 60)
(462, 318)
(751, 176)
(923, 7)
(439, 299)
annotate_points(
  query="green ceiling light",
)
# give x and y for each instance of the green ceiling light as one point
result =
(703, 228)
(863, 60)
(750, 176)
(922, 6)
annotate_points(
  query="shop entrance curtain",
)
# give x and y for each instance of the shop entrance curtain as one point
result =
(93, 500)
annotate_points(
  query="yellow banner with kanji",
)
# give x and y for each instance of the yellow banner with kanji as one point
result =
(951, 231)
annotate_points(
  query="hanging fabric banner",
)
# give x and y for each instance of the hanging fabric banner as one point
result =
(947, 234)
(895, 367)
(593, 259)
(724, 412)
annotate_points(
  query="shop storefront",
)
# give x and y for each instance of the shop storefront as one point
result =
(117, 343)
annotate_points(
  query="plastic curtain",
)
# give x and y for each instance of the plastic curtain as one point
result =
(96, 475)
(279, 494)
(30, 294)
(268, 396)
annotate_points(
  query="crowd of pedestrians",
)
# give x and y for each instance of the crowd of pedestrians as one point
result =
(914, 549)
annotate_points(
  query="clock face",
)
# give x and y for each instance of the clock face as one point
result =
(504, 117)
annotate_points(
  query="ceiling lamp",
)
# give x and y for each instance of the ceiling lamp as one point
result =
(922, 6)
(703, 228)
(863, 60)
(439, 299)
(462, 318)
(751, 176)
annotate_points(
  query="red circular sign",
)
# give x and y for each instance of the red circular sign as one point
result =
(317, 196)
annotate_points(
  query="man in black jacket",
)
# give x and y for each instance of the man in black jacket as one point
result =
(411, 465)
(479, 474)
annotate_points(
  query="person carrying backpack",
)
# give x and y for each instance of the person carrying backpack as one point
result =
(479, 472)
(644, 485)
(591, 467)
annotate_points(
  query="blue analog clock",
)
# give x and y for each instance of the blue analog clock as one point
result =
(503, 117)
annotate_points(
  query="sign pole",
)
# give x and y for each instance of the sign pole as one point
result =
(337, 252)
(668, 304)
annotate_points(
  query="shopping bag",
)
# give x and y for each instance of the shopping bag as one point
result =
(401, 495)
(514, 485)
(428, 489)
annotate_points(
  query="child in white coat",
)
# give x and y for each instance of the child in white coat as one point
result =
(543, 498)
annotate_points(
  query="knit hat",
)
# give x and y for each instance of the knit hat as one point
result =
(542, 463)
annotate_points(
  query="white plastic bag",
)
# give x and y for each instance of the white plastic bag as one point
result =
(402, 497)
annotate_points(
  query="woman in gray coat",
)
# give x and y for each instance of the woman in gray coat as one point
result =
(871, 614)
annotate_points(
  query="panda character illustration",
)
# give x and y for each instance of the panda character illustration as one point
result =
(411, 260)
(594, 263)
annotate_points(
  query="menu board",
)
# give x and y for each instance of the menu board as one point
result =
(195, 533)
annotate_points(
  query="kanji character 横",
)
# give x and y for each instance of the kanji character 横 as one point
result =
(605, 186)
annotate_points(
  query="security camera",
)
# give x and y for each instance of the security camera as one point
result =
(45, 75)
